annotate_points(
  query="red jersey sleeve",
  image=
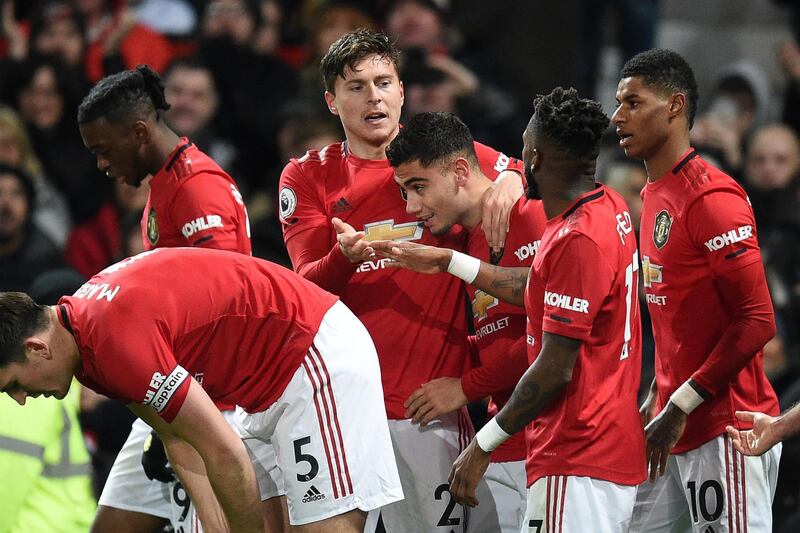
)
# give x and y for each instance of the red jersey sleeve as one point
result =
(500, 374)
(208, 213)
(142, 369)
(492, 162)
(308, 233)
(722, 226)
(573, 296)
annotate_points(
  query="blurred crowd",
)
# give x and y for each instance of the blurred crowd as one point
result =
(243, 81)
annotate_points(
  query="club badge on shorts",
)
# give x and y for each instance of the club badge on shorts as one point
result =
(661, 228)
(288, 202)
(152, 227)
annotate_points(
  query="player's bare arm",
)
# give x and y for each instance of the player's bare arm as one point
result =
(767, 430)
(435, 398)
(497, 206)
(505, 283)
(224, 456)
(541, 383)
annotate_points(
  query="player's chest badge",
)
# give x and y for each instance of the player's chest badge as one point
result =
(661, 228)
(152, 227)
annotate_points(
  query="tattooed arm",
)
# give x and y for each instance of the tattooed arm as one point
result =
(505, 283)
(544, 381)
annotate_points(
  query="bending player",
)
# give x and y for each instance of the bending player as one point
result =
(418, 338)
(245, 332)
(711, 314)
(438, 173)
(192, 202)
(577, 400)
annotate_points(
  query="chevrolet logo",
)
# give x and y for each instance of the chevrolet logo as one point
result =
(387, 230)
(481, 304)
(651, 273)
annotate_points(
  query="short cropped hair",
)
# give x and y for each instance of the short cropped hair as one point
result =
(138, 92)
(430, 138)
(351, 48)
(576, 125)
(667, 72)
(20, 317)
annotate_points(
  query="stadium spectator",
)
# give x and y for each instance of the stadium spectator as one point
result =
(25, 252)
(419, 338)
(50, 212)
(710, 310)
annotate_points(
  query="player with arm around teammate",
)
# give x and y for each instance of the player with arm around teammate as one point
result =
(239, 330)
(191, 202)
(438, 173)
(577, 401)
(336, 201)
(711, 313)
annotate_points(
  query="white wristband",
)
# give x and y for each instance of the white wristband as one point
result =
(686, 398)
(491, 436)
(464, 266)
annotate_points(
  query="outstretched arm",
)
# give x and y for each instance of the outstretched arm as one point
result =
(767, 430)
(541, 383)
(505, 283)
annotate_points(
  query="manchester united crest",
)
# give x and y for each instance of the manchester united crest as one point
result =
(152, 227)
(661, 228)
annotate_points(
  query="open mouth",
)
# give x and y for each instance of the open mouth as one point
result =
(624, 138)
(427, 219)
(375, 117)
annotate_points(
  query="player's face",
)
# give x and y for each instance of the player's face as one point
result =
(528, 156)
(641, 118)
(430, 194)
(34, 377)
(117, 150)
(368, 100)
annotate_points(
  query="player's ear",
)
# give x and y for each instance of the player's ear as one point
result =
(140, 132)
(36, 346)
(462, 169)
(330, 100)
(677, 104)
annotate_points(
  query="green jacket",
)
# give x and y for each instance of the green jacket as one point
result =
(45, 473)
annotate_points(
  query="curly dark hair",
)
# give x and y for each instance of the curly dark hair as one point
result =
(137, 92)
(574, 124)
(351, 48)
(667, 72)
(431, 137)
(20, 317)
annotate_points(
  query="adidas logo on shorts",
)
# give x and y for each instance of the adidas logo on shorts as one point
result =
(313, 495)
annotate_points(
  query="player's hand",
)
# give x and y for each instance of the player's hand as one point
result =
(467, 471)
(435, 398)
(154, 460)
(497, 205)
(754, 441)
(413, 256)
(662, 433)
(352, 242)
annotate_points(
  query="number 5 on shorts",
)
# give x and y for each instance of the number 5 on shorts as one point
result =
(300, 457)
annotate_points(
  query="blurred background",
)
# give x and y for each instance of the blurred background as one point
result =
(242, 78)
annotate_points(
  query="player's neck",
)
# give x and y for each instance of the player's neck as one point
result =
(62, 341)
(474, 214)
(165, 142)
(666, 157)
(557, 201)
(364, 149)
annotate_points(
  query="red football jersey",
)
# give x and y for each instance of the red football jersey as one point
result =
(583, 285)
(696, 224)
(193, 202)
(498, 325)
(417, 321)
(239, 325)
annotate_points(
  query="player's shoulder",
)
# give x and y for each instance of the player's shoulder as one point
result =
(698, 177)
(322, 158)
